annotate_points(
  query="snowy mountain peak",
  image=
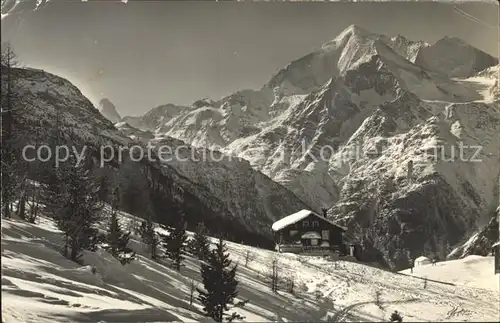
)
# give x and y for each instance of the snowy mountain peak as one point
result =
(162, 114)
(205, 102)
(108, 109)
(352, 48)
(354, 30)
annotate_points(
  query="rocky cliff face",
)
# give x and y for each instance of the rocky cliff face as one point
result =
(414, 190)
(480, 243)
(108, 110)
(161, 115)
(382, 130)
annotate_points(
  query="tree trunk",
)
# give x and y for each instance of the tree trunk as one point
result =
(221, 313)
(6, 210)
(21, 211)
(65, 246)
(153, 250)
(74, 250)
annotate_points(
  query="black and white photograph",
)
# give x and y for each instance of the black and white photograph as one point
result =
(250, 161)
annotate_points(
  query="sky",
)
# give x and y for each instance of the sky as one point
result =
(146, 53)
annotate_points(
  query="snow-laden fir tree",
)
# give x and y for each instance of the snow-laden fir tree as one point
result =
(199, 246)
(219, 281)
(174, 243)
(116, 239)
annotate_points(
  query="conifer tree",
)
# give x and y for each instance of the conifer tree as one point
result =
(199, 246)
(80, 211)
(174, 243)
(114, 233)
(53, 178)
(9, 158)
(148, 236)
(219, 283)
(116, 239)
(54, 195)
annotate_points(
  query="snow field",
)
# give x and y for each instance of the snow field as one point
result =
(39, 285)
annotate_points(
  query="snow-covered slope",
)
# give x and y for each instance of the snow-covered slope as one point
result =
(134, 133)
(472, 271)
(160, 115)
(39, 285)
(454, 57)
(489, 79)
(227, 193)
(135, 122)
(14, 7)
(108, 110)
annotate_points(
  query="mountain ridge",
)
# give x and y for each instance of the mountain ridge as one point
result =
(196, 187)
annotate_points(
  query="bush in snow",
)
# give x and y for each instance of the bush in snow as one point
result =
(396, 317)
(378, 299)
(234, 316)
(318, 295)
(272, 274)
(290, 282)
(249, 257)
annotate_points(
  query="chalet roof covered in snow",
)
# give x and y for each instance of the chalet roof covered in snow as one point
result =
(296, 217)
(422, 258)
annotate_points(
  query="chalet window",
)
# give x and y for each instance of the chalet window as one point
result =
(325, 234)
(314, 242)
(305, 224)
(293, 232)
(315, 224)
